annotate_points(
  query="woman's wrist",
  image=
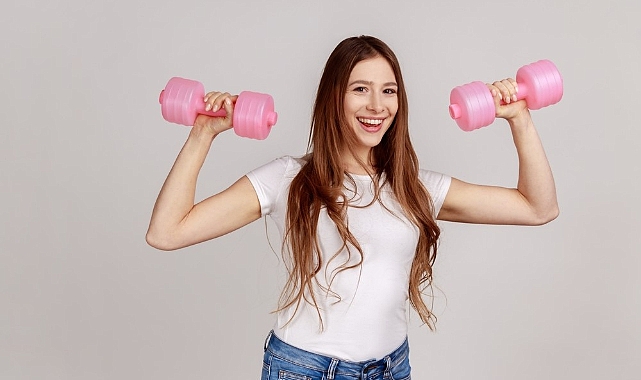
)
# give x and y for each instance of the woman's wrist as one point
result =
(521, 120)
(202, 133)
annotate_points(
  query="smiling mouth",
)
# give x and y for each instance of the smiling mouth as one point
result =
(372, 122)
(370, 125)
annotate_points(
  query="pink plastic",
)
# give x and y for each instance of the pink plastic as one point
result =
(472, 106)
(539, 83)
(254, 115)
(182, 101)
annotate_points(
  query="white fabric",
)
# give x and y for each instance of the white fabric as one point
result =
(370, 318)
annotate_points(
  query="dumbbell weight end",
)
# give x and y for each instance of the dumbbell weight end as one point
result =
(254, 115)
(472, 106)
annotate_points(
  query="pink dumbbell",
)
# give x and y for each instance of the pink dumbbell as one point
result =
(182, 101)
(539, 83)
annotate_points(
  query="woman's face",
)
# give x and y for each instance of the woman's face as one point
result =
(371, 102)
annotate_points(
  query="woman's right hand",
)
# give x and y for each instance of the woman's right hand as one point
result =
(214, 101)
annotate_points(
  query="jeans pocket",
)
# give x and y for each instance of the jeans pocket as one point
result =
(289, 375)
(280, 369)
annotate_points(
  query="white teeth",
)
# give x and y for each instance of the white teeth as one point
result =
(370, 121)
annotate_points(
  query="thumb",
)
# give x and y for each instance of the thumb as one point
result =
(228, 105)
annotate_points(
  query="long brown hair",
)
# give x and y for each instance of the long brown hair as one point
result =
(320, 182)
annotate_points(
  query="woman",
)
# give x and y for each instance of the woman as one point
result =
(356, 214)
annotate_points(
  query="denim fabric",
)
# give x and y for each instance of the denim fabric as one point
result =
(285, 362)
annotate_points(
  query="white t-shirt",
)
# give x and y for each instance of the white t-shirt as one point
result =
(370, 318)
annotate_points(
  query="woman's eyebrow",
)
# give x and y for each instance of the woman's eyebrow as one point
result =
(370, 83)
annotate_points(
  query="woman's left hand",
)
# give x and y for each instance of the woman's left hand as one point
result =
(507, 106)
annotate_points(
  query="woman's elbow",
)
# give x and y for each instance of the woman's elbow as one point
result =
(160, 241)
(547, 216)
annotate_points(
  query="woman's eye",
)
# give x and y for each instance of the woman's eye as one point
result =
(389, 91)
(360, 89)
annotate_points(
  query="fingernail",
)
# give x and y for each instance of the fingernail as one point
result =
(207, 107)
(514, 97)
(228, 101)
(215, 108)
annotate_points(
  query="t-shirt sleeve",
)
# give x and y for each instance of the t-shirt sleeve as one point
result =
(437, 185)
(269, 182)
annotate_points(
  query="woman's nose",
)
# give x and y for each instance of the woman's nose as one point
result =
(375, 104)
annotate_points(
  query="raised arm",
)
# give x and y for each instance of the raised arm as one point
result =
(177, 222)
(533, 201)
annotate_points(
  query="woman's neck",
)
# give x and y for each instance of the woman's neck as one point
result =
(352, 165)
(359, 170)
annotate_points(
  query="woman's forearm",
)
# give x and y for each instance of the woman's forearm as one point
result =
(536, 182)
(177, 195)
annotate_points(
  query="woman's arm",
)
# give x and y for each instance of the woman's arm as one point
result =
(177, 222)
(533, 201)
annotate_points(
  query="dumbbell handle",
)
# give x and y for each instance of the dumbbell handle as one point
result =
(522, 92)
(200, 107)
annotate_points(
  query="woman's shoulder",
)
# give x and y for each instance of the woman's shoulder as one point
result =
(429, 173)
(288, 164)
(280, 167)
(436, 182)
(295, 161)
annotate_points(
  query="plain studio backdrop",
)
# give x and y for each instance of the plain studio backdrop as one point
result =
(84, 151)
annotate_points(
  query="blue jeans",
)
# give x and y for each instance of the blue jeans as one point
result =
(285, 362)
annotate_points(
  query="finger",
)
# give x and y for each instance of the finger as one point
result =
(512, 87)
(215, 101)
(210, 98)
(497, 95)
(218, 93)
(504, 91)
(224, 100)
(509, 89)
(210, 94)
(229, 109)
(514, 84)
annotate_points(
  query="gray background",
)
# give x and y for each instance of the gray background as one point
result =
(84, 151)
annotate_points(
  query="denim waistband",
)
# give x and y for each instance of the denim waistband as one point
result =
(332, 365)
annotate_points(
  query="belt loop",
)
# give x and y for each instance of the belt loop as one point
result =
(388, 365)
(331, 369)
(267, 340)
